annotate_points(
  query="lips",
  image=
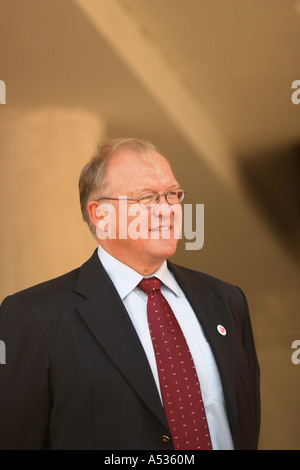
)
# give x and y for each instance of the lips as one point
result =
(161, 229)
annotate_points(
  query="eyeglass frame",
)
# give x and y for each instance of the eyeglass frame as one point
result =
(137, 199)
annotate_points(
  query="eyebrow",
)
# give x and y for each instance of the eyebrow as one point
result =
(151, 190)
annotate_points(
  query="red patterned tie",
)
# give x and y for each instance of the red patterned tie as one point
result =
(179, 384)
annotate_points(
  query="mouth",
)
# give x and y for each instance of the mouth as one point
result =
(164, 228)
(164, 232)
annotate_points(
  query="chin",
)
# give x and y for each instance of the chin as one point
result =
(164, 248)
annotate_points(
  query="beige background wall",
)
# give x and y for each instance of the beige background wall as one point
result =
(42, 153)
(210, 84)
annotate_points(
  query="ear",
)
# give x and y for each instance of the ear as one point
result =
(102, 217)
(95, 212)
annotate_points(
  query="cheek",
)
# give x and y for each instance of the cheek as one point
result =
(177, 210)
(177, 220)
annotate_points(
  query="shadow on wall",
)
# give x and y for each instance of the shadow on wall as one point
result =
(272, 180)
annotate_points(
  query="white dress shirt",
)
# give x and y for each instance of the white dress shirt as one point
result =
(125, 280)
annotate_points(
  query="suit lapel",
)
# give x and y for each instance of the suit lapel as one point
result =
(211, 312)
(106, 317)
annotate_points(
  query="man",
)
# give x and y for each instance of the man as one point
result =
(84, 370)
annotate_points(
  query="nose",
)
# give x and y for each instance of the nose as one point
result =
(162, 208)
(161, 198)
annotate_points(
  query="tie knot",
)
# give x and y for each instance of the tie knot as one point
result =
(150, 284)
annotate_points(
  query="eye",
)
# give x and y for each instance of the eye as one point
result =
(180, 194)
(147, 199)
(175, 196)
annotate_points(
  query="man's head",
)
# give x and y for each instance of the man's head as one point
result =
(141, 237)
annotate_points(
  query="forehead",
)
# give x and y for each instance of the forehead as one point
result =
(130, 170)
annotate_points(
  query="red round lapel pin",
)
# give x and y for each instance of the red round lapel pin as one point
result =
(222, 330)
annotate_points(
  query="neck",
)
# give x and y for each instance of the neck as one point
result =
(142, 265)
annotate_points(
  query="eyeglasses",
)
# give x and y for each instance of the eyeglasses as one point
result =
(174, 196)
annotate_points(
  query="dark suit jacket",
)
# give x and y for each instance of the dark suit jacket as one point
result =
(76, 375)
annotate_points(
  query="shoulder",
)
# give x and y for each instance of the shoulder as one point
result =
(45, 291)
(213, 284)
(56, 288)
(197, 284)
(56, 298)
(32, 309)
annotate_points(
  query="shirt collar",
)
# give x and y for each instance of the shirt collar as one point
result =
(166, 277)
(125, 279)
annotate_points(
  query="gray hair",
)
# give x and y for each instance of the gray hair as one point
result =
(93, 177)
